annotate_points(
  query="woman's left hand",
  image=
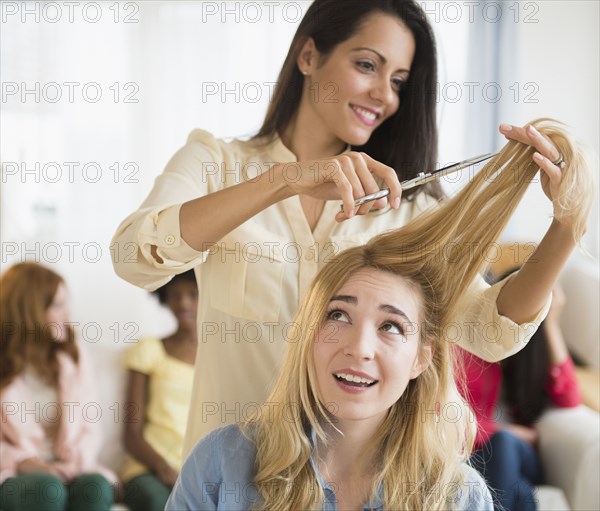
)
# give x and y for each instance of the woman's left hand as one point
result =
(544, 157)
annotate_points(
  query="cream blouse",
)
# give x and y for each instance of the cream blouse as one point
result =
(252, 280)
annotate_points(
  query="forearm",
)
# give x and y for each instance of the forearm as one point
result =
(142, 451)
(205, 220)
(527, 291)
(557, 349)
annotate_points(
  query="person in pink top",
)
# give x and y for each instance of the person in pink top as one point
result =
(49, 441)
(540, 375)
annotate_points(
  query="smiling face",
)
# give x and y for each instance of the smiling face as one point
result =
(182, 298)
(368, 348)
(353, 90)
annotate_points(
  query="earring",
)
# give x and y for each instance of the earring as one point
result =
(304, 72)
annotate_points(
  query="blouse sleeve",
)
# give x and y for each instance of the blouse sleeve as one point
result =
(144, 356)
(561, 385)
(481, 330)
(191, 173)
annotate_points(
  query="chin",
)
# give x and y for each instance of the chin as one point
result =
(358, 138)
(352, 413)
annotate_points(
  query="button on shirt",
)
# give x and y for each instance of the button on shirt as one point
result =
(219, 475)
(252, 281)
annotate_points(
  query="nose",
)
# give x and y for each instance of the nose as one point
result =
(185, 300)
(360, 344)
(383, 91)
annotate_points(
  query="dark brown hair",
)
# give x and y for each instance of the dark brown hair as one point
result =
(525, 374)
(407, 141)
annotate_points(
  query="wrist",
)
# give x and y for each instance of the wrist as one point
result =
(563, 229)
(278, 183)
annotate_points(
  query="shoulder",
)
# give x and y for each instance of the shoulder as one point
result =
(218, 472)
(147, 345)
(143, 355)
(227, 445)
(203, 139)
(474, 494)
(222, 150)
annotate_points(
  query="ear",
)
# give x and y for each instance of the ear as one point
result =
(422, 360)
(307, 57)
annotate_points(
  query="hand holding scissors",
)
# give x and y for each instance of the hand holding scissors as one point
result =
(424, 177)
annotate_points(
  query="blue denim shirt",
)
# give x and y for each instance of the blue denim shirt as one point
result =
(219, 471)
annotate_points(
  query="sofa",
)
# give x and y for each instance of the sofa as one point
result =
(570, 438)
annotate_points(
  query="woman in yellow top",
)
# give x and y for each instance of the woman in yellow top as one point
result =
(352, 111)
(158, 400)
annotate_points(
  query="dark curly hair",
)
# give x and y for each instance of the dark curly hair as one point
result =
(161, 292)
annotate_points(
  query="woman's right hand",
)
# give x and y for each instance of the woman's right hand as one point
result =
(347, 176)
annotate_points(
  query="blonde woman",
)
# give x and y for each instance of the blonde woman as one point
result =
(365, 413)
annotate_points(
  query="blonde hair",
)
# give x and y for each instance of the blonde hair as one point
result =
(441, 252)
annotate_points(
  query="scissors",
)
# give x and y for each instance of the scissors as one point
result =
(424, 177)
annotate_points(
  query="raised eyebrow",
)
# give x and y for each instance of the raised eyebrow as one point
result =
(381, 57)
(384, 307)
(394, 310)
(345, 298)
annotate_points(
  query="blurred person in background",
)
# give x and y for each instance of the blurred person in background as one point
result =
(542, 374)
(49, 447)
(158, 397)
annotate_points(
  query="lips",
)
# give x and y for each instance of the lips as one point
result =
(354, 378)
(185, 315)
(366, 115)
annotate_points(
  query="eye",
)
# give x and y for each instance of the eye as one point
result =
(392, 327)
(399, 85)
(366, 65)
(338, 315)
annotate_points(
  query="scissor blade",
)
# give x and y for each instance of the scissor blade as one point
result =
(423, 178)
(444, 171)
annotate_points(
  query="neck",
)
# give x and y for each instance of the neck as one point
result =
(187, 335)
(350, 452)
(308, 139)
